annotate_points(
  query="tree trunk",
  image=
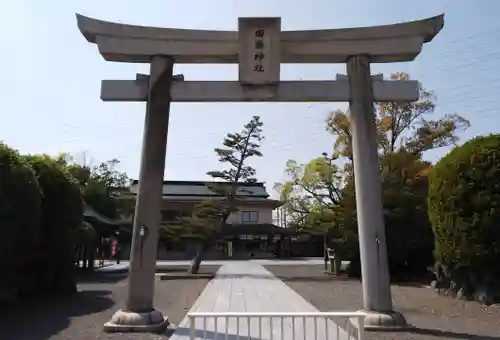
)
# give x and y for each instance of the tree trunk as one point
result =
(196, 262)
(336, 264)
(118, 254)
(77, 254)
(84, 257)
(282, 246)
(325, 251)
(81, 258)
(92, 256)
(205, 245)
(200, 252)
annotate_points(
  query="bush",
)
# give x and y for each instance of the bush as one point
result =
(86, 234)
(62, 214)
(408, 231)
(20, 211)
(464, 209)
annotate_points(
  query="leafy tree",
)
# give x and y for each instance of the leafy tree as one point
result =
(99, 184)
(172, 230)
(79, 172)
(86, 234)
(205, 220)
(199, 225)
(401, 126)
(97, 195)
(404, 132)
(20, 212)
(325, 222)
(463, 206)
(237, 149)
(339, 124)
(404, 193)
(312, 198)
(62, 213)
(317, 183)
(86, 243)
(107, 174)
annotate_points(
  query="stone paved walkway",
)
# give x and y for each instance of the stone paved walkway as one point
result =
(249, 287)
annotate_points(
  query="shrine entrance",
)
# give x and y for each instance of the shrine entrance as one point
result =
(259, 47)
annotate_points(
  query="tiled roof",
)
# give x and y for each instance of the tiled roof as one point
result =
(194, 183)
(90, 212)
(202, 189)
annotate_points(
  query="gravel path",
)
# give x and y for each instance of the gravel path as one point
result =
(435, 317)
(82, 316)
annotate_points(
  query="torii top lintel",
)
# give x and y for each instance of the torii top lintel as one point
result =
(137, 44)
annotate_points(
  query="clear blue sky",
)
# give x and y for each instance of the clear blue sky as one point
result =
(51, 78)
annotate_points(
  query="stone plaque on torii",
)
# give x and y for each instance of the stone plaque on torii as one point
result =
(259, 47)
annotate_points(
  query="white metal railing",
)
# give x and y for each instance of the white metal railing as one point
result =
(307, 332)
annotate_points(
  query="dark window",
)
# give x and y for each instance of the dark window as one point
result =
(249, 216)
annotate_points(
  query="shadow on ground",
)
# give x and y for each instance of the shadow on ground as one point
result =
(101, 277)
(177, 273)
(163, 270)
(200, 334)
(444, 334)
(320, 277)
(45, 317)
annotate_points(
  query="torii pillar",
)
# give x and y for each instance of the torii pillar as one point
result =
(377, 300)
(259, 47)
(139, 314)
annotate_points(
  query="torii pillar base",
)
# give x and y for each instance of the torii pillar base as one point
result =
(124, 322)
(383, 322)
(379, 321)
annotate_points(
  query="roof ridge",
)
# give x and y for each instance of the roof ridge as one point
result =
(204, 183)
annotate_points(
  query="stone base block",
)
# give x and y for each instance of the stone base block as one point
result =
(125, 322)
(382, 321)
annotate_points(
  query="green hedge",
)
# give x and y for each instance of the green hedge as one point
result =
(62, 214)
(20, 212)
(464, 209)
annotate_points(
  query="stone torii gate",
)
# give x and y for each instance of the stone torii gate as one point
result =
(259, 47)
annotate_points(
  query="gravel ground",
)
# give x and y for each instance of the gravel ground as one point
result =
(82, 316)
(435, 317)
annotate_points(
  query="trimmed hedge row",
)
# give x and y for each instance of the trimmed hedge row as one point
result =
(464, 209)
(20, 217)
(41, 209)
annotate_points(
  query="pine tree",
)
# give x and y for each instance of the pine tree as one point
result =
(237, 149)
